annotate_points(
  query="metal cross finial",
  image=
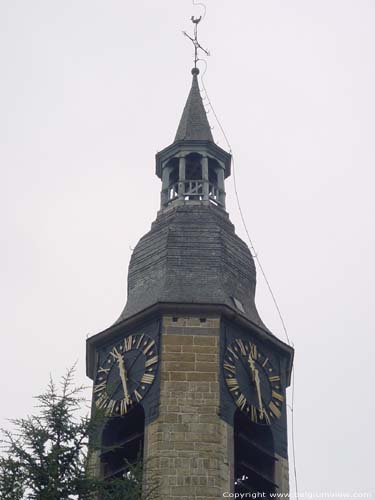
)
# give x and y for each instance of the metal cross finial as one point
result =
(197, 45)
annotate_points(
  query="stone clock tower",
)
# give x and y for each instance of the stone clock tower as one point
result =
(190, 378)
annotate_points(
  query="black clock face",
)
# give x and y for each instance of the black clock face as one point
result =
(126, 374)
(253, 382)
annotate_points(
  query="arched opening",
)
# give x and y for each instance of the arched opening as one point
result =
(193, 168)
(173, 166)
(122, 443)
(254, 458)
(193, 177)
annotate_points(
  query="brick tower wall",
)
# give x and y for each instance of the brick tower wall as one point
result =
(189, 449)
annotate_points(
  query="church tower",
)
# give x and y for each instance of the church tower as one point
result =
(190, 378)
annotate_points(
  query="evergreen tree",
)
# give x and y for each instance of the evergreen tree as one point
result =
(46, 457)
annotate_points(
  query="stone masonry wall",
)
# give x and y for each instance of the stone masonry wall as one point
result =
(282, 474)
(188, 448)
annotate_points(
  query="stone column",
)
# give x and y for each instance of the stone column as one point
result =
(164, 186)
(181, 177)
(220, 184)
(205, 177)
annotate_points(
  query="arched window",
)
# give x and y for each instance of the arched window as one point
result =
(122, 442)
(193, 185)
(254, 459)
(193, 168)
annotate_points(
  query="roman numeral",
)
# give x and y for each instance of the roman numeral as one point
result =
(253, 414)
(114, 353)
(274, 409)
(100, 387)
(232, 352)
(140, 340)
(265, 362)
(104, 370)
(241, 401)
(151, 361)
(230, 368)
(128, 343)
(253, 351)
(102, 401)
(274, 378)
(148, 347)
(232, 383)
(111, 406)
(138, 397)
(241, 346)
(266, 417)
(278, 396)
(147, 378)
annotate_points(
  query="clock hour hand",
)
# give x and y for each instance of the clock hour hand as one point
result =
(252, 367)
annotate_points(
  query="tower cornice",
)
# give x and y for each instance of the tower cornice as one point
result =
(159, 309)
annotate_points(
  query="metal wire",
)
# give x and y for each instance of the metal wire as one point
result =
(255, 256)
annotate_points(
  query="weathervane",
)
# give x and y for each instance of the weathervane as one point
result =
(196, 44)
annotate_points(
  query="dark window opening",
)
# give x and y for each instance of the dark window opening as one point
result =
(202, 320)
(212, 175)
(193, 169)
(174, 173)
(254, 456)
(122, 443)
(193, 185)
(173, 178)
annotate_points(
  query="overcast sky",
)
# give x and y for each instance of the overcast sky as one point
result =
(91, 90)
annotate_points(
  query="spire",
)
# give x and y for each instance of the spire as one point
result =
(194, 123)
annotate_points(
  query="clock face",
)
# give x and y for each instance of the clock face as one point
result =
(126, 374)
(253, 382)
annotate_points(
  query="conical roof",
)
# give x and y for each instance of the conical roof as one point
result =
(194, 124)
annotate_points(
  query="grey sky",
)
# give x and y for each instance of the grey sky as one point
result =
(90, 90)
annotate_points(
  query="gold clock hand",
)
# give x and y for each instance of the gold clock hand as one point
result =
(123, 374)
(252, 367)
(257, 385)
(255, 377)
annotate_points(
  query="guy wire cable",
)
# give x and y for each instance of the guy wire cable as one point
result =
(255, 256)
(252, 248)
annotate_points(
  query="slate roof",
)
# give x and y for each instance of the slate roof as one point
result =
(194, 123)
(192, 255)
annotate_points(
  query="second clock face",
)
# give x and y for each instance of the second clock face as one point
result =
(126, 374)
(253, 382)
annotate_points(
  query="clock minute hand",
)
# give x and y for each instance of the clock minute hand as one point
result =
(257, 384)
(255, 377)
(123, 374)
